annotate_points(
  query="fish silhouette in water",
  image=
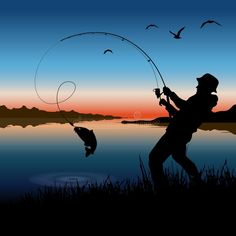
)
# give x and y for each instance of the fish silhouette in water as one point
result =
(90, 141)
(89, 138)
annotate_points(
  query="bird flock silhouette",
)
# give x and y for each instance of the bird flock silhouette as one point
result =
(175, 35)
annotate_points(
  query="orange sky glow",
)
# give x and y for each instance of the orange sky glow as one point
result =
(135, 105)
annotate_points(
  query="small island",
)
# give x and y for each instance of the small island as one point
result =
(221, 120)
(220, 116)
(24, 116)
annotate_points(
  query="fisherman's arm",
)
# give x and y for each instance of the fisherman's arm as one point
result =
(179, 102)
(172, 111)
(213, 101)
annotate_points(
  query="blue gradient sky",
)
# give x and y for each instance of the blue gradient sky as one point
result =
(122, 80)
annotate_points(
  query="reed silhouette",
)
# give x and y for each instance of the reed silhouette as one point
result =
(183, 124)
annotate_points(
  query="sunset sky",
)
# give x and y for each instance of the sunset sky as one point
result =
(120, 83)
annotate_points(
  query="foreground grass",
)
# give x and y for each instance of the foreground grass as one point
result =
(218, 186)
(221, 182)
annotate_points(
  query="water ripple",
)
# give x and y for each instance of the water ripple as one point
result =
(71, 179)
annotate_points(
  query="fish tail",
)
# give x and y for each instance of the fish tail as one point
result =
(88, 151)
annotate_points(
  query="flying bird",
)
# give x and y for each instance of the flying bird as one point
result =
(177, 35)
(108, 50)
(152, 25)
(209, 22)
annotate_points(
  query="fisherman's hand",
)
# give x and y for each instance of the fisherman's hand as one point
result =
(163, 102)
(157, 92)
(167, 91)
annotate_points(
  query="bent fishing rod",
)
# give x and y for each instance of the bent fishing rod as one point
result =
(149, 59)
(123, 39)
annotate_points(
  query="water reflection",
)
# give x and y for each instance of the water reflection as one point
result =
(24, 122)
(50, 153)
(70, 179)
(228, 127)
(6, 122)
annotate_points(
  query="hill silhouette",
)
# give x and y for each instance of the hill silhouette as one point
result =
(24, 116)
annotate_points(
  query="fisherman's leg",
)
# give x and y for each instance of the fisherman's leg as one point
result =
(157, 156)
(179, 155)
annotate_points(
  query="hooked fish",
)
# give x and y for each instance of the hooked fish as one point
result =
(89, 138)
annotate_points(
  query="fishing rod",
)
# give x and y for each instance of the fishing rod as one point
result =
(122, 38)
(149, 59)
(86, 135)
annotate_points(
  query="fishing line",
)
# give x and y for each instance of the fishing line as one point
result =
(89, 138)
(86, 135)
(36, 75)
(57, 102)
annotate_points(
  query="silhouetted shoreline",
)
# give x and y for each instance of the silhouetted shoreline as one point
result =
(220, 116)
(221, 120)
(24, 116)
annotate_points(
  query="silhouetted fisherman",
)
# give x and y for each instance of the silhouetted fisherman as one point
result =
(183, 124)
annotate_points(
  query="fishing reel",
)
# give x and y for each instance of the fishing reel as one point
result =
(158, 92)
(158, 95)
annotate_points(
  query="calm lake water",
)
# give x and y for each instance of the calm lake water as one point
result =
(52, 154)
